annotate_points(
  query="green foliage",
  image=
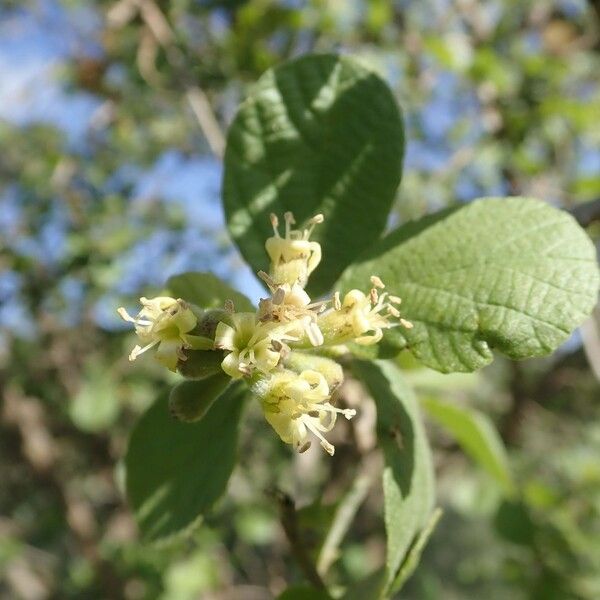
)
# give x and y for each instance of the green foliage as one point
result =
(499, 95)
(510, 274)
(303, 593)
(189, 401)
(477, 436)
(414, 554)
(320, 134)
(408, 480)
(206, 291)
(96, 406)
(176, 471)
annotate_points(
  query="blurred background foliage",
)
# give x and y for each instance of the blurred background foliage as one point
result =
(111, 127)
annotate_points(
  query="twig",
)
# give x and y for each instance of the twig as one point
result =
(590, 334)
(289, 522)
(205, 116)
(343, 518)
(162, 32)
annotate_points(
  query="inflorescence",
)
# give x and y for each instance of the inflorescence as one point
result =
(270, 348)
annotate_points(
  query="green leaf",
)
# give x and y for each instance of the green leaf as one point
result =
(477, 436)
(176, 471)
(513, 274)
(414, 554)
(303, 592)
(408, 480)
(189, 401)
(319, 134)
(206, 291)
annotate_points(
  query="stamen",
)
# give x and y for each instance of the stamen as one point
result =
(395, 299)
(329, 448)
(314, 334)
(393, 311)
(125, 315)
(347, 412)
(279, 296)
(316, 220)
(373, 296)
(137, 350)
(377, 282)
(275, 224)
(305, 447)
(289, 221)
(337, 303)
(406, 324)
(267, 279)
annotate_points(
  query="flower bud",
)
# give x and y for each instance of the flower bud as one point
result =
(199, 364)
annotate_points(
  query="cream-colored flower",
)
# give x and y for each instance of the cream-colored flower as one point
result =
(291, 304)
(361, 317)
(164, 322)
(252, 344)
(296, 405)
(293, 257)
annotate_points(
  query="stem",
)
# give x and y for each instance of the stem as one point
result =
(590, 334)
(160, 29)
(343, 519)
(289, 522)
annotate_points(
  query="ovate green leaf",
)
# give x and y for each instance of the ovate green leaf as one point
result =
(408, 480)
(476, 435)
(206, 291)
(176, 471)
(320, 134)
(513, 274)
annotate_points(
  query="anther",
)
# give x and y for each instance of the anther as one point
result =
(377, 282)
(275, 224)
(279, 296)
(393, 311)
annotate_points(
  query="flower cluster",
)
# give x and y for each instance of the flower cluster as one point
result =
(271, 348)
